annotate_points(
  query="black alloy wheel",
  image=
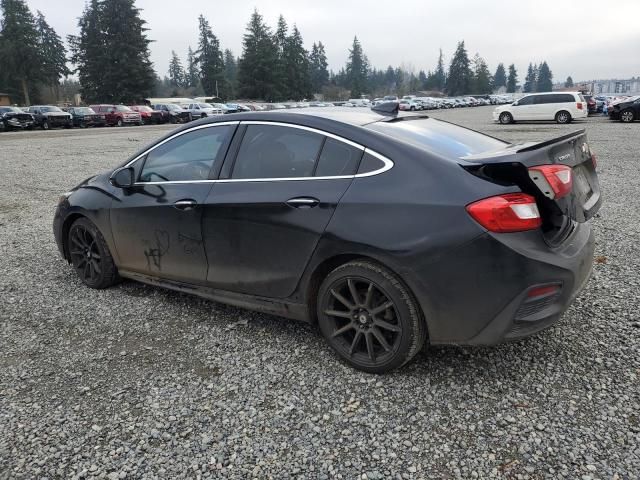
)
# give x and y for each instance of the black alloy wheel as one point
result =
(90, 255)
(369, 317)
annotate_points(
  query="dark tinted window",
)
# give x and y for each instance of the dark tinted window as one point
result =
(270, 151)
(369, 164)
(337, 158)
(187, 157)
(438, 137)
(526, 100)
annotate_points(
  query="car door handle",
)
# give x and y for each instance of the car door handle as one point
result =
(303, 202)
(185, 205)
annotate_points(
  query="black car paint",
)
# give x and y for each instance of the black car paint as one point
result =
(82, 119)
(13, 120)
(468, 282)
(52, 119)
(633, 105)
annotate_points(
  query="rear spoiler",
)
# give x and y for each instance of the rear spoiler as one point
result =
(546, 143)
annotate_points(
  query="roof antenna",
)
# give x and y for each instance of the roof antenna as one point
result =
(387, 108)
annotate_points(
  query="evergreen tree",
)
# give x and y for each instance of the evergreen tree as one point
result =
(440, 76)
(296, 66)
(318, 66)
(500, 77)
(177, 76)
(111, 53)
(512, 79)
(191, 73)
(230, 72)
(569, 82)
(460, 74)
(357, 69)
(280, 38)
(481, 76)
(530, 80)
(390, 80)
(422, 80)
(20, 57)
(256, 78)
(53, 54)
(545, 78)
(209, 59)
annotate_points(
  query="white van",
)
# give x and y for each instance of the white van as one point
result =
(360, 102)
(559, 106)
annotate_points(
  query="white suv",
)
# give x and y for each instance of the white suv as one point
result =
(559, 106)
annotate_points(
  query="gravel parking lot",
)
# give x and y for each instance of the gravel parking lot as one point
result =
(139, 382)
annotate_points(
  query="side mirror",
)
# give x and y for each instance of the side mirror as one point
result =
(122, 177)
(515, 104)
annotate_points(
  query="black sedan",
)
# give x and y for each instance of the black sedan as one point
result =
(626, 111)
(12, 118)
(386, 230)
(86, 117)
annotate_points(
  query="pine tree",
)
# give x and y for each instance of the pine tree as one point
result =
(422, 79)
(256, 78)
(111, 53)
(440, 76)
(318, 67)
(209, 59)
(481, 76)
(530, 80)
(460, 75)
(357, 69)
(296, 66)
(191, 73)
(569, 82)
(545, 78)
(512, 79)
(20, 57)
(280, 37)
(53, 54)
(177, 75)
(500, 77)
(230, 72)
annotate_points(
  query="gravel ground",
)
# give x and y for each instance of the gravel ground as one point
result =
(139, 382)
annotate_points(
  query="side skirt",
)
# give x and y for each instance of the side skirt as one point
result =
(281, 308)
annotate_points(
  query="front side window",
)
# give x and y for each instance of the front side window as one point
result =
(526, 101)
(189, 156)
(272, 151)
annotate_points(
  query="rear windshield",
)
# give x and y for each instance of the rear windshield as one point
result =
(439, 137)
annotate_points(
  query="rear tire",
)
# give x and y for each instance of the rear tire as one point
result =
(505, 118)
(627, 116)
(563, 117)
(369, 317)
(119, 123)
(45, 125)
(90, 255)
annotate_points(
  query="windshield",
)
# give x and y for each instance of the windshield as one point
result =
(122, 108)
(205, 105)
(50, 109)
(220, 105)
(85, 110)
(172, 106)
(439, 137)
(10, 109)
(144, 108)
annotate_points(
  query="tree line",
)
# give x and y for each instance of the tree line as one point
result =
(110, 57)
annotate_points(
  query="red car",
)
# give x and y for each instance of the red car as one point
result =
(118, 115)
(147, 114)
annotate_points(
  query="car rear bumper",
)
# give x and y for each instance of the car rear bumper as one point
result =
(478, 294)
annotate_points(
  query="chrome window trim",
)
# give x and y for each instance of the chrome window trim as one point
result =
(388, 164)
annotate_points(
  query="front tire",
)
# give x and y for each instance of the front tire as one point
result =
(563, 117)
(627, 116)
(119, 123)
(505, 118)
(369, 317)
(90, 255)
(45, 125)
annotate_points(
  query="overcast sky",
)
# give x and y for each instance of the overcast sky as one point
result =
(586, 39)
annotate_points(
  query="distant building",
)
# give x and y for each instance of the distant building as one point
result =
(4, 100)
(608, 87)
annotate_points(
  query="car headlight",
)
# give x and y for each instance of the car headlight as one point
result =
(63, 198)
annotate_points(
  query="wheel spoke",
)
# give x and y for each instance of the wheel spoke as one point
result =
(76, 239)
(337, 313)
(369, 341)
(386, 325)
(354, 291)
(343, 330)
(383, 342)
(369, 296)
(96, 267)
(343, 300)
(76, 252)
(381, 308)
(87, 270)
(82, 262)
(354, 343)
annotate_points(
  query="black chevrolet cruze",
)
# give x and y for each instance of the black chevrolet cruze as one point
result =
(386, 230)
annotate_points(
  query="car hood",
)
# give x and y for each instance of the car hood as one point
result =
(56, 114)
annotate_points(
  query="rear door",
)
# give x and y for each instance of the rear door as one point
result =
(262, 223)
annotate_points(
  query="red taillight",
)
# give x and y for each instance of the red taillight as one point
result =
(579, 106)
(594, 160)
(555, 181)
(543, 291)
(511, 212)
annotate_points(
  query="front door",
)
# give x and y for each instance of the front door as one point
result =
(261, 226)
(157, 223)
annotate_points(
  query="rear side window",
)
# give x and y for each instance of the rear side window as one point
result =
(369, 164)
(273, 151)
(189, 156)
(337, 158)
